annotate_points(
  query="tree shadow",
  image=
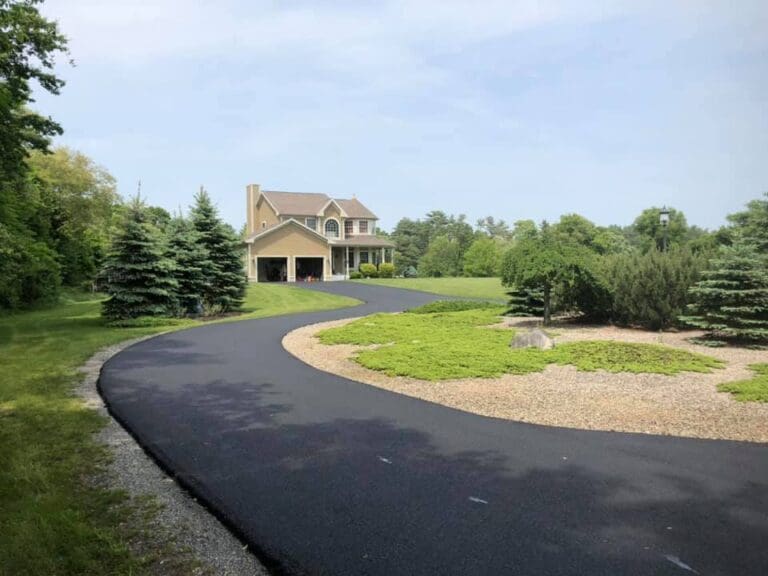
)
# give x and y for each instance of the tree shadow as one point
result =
(370, 496)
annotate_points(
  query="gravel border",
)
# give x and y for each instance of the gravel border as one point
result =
(186, 525)
(687, 404)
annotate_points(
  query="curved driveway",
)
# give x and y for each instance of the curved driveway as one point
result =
(322, 475)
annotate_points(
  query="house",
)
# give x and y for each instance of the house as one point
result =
(299, 236)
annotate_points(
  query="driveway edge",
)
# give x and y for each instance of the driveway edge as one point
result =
(189, 524)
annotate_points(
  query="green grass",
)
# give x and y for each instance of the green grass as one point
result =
(487, 288)
(752, 390)
(51, 521)
(449, 345)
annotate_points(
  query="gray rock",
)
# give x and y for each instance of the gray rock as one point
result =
(532, 339)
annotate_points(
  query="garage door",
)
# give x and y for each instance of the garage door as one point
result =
(309, 269)
(271, 269)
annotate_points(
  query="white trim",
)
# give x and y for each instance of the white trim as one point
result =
(338, 227)
(323, 258)
(323, 209)
(268, 231)
(287, 265)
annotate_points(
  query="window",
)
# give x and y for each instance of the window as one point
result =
(363, 224)
(332, 228)
(264, 224)
(311, 223)
(363, 257)
(349, 227)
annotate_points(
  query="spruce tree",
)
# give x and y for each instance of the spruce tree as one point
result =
(525, 302)
(190, 263)
(225, 280)
(138, 275)
(731, 299)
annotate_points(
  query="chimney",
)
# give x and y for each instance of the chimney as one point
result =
(252, 193)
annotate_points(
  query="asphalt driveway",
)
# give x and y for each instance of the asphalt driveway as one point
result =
(322, 475)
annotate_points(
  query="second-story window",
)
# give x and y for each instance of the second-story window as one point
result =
(363, 224)
(311, 223)
(349, 227)
(331, 229)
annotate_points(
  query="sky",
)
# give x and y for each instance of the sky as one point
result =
(514, 109)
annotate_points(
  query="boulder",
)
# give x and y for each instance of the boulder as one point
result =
(532, 339)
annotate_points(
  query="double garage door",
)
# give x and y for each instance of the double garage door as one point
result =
(278, 268)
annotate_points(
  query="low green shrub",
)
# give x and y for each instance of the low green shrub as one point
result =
(452, 306)
(751, 390)
(368, 270)
(465, 344)
(386, 270)
(355, 275)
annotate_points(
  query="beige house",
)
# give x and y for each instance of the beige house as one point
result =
(298, 236)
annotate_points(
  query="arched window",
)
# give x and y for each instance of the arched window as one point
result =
(332, 228)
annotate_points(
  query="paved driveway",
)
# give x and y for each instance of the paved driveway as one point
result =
(322, 475)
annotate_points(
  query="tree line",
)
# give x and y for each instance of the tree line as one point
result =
(649, 274)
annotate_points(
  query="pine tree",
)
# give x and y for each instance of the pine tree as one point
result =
(225, 277)
(138, 275)
(731, 299)
(525, 302)
(190, 263)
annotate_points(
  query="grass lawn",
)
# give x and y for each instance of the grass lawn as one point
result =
(488, 288)
(448, 345)
(51, 521)
(752, 390)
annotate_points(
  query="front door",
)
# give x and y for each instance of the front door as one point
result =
(337, 261)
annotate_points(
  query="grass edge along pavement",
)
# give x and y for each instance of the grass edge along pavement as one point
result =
(465, 344)
(457, 287)
(53, 519)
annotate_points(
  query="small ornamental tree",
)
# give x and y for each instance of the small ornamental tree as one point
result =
(137, 275)
(190, 260)
(443, 258)
(225, 279)
(525, 302)
(482, 257)
(731, 299)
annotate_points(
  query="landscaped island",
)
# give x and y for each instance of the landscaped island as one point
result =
(603, 378)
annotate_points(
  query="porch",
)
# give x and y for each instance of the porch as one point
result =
(348, 257)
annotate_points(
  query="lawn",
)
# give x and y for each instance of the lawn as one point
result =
(51, 521)
(449, 345)
(487, 288)
(751, 390)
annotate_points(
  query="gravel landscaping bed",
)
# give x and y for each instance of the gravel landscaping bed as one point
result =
(687, 404)
(186, 528)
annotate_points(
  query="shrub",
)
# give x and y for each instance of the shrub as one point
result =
(355, 275)
(651, 289)
(410, 272)
(386, 270)
(368, 270)
(452, 306)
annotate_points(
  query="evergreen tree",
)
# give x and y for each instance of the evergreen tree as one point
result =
(225, 277)
(138, 276)
(190, 263)
(525, 302)
(731, 299)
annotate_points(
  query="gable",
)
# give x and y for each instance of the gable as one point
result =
(289, 238)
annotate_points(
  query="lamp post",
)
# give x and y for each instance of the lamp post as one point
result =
(664, 221)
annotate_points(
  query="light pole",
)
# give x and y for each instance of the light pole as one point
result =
(664, 220)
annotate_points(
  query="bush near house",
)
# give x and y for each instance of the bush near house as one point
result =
(386, 270)
(368, 271)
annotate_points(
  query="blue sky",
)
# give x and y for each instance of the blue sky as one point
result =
(511, 109)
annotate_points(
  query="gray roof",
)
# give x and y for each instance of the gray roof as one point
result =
(310, 203)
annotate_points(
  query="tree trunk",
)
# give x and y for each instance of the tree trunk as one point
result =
(547, 313)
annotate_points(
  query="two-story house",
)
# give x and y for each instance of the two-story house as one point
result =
(298, 236)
